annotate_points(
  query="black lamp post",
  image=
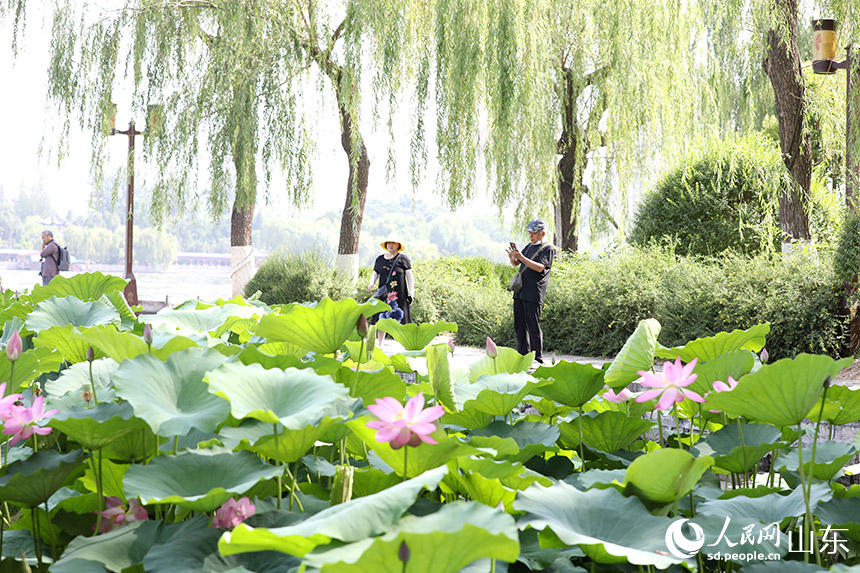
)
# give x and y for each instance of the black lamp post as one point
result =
(153, 124)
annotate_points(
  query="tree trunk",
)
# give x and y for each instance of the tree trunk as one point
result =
(570, 178)
(244, 150)
(356, 196)
(783, 68)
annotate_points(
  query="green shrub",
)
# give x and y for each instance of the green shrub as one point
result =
(286, 277)
(724, 197)
(846, 259)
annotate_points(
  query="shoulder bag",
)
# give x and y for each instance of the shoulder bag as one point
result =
(516, 284)
(382, 292)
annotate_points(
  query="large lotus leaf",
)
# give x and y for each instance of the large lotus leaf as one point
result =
(490, 482)
(600, 479)
(666, 475)
(117, 300)
(739, 451)
(28, 367)
(70, 310)
(781, 393)
(199, 480)
(372, 384)
(121, 345)
(280, 349)
(508, 361)
(76, 379)
(367, 481)
(470, 419)
(622, 525)
(752, 339)
(295, 398)
(842, 406)
(351, 521)
(636, 354)
(111, 473)
(573, 384)
(447, 540)
(172, 396)
(549, 409)
(529, 439)
(289, 445)
(63, 340)
(32, 481)
(610, 431)
(209, 320)
(830, 457)
(497, 395)
(771, 508)
(415, 336)
(134, 446)
(94, 428)
(84, 286)
(842, 513)
(734, 364)
(439, 371)
(321, 327)
(421, 459)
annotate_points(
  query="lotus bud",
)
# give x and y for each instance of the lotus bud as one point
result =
(90, 354)
(147, 334)
(764, 356)
(451, 345)
(362, 326)
(403, 553)
(553, 359)
(14, 347)
(492, 351)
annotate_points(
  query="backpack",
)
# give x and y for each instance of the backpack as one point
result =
(64, 260)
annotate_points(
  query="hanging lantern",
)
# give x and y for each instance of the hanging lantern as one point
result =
(824, 46)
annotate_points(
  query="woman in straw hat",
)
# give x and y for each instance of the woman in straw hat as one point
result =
(394, 270)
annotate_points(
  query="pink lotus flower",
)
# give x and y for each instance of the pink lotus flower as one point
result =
(620, 398)
(116, 514)
(20, 421)
(147, 334)
(764, 356)
(669, 384)
(404, 426)
(14, 347)
(492, 350)
(8, 401)
(723, 387)
(233, 512)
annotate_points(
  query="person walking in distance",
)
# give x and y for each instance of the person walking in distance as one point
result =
(535, 262)
(50, 257)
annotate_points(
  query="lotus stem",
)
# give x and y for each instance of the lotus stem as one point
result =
(743, 449)
(277, 460)
(807, 518)
(815, 437)
(98, 474)
(405, 460)
(357, 369)
(36, 538)
(495, 370)
(581, 447)
(293, 494)
(175, 443)
(53, 535)
(93, 385)
(678, 427)
(660, 426)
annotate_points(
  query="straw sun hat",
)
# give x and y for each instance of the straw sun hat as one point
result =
(392, 238)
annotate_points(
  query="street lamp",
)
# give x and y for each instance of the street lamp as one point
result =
(152, 129)
(824, 62)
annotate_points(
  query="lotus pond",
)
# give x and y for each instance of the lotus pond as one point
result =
(234, 436)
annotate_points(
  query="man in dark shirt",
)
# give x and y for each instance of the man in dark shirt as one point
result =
(536, 259)
(50, 257)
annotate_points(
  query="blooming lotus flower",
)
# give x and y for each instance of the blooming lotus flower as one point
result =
(233, 512)
(116, 514)
(403, 426)
(723, 387)
(620, 398)
(14, 347)
(669, 384)
(20, 421)
(451, 345)
(492, 350)
(8, 401)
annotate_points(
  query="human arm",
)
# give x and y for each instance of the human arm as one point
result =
(512, 253)
(410, 284)
(371, 286)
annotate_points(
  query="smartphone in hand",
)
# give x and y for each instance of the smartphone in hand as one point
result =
(513, 246)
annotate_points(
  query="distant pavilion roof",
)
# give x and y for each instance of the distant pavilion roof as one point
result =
(53, 220)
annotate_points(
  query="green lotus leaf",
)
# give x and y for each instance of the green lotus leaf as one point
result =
(254, 354)
(734, 364)
(508, 361)
(322, 327)
(471, 418)
(280, 349)
(20, 542)
(210, 320)
(600, 479)
(439, 371)
(573, 384)
(772, 508)
(724, 536)
(788, 567)
(32, 481)
(65, 392)
(529, 439)
(841, 406)
(295, 398)
(83, 286)
(94, 428)
(174, 398)
(372, 384)
(111, 473)
(610, 431)
(636, 354)
(830, 457)
(780, 393)
(631, 408)
(70, 310)
(134, 446)
(289, 446)
(447, 540)
(497, 395)
(622, 525)
(420, 459)
(708, 348)
(490, 482)
(199, 480)
(549, 409)
(736, 455)
(10, 327)
(842, 513)
(121, 345)
(117, 300)
(28, 367)
(63, 340)
(351, 521)
(666, 475)
(415, 336)
(367, 481)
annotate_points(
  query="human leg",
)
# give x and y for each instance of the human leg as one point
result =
(532, 312)
(520, 327)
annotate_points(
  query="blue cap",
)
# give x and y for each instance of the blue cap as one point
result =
(536, 225)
